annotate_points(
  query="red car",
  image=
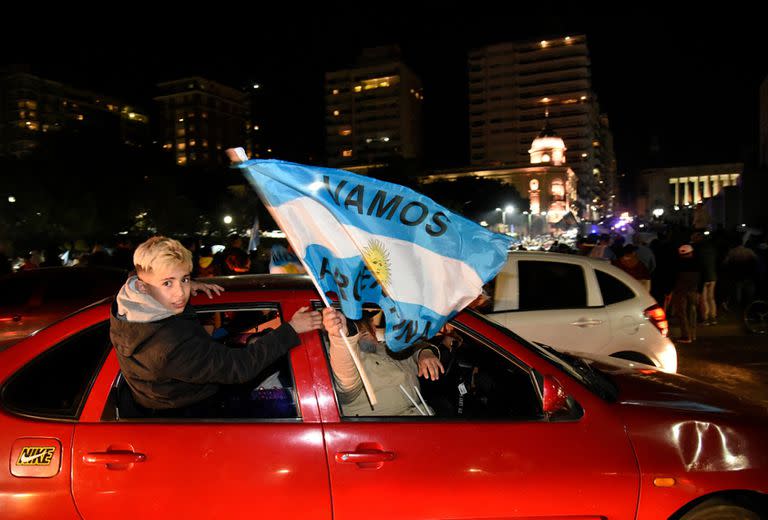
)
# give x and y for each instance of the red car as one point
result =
(520, 432)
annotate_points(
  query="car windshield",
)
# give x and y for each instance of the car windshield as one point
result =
(580, 369)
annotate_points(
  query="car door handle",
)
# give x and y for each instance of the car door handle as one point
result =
(113, 457)
(364, 456)
(586, 323)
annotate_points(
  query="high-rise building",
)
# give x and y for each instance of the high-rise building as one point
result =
(31, 106)
(200, 118)
(515, 87)
(373, 111)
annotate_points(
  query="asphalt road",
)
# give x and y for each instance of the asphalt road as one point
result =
(727, 356)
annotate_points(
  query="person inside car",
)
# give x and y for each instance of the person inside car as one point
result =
(394, 376)
(168, 360)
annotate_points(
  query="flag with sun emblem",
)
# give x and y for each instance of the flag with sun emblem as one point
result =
(373, 242)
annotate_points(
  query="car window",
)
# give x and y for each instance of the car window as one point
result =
(55, 384)
(269, 395)
(479, 383)
(551, 285)
(613, 289)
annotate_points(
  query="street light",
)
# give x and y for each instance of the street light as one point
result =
(529, 214)
(658, 212)
(508, 209)
(227, 219)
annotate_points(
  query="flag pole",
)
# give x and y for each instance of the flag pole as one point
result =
(238, 155)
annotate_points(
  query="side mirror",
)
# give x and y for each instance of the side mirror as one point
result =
(554, 397)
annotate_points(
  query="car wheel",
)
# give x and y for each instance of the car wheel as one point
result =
(634, 356)
(720, 509)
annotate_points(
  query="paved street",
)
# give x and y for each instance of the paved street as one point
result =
(727, 356)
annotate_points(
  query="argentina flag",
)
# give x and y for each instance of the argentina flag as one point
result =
(373, 242)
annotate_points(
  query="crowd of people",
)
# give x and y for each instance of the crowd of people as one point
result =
(692, 273)
(234, 259)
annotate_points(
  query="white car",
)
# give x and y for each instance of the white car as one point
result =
(579, 304)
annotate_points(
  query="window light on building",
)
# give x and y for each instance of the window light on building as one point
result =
(346, 152)
(192, 142)
(546, 100)
(181, 146)
(568, 40)
(544, 44)
(255, 127)
(584, 155)
(181, 160)
(335, 92)
(358, 88)
(336, 113)
(583, 98)
(345, 131)
(167, 146)
(181, 120)
(596, 144)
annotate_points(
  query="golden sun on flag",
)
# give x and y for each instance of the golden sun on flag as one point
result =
(376, 257)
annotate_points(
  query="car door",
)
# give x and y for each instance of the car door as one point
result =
(503, 460)
(552, 301)
(201, 468)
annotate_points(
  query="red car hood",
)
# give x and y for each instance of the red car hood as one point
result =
(644, 386)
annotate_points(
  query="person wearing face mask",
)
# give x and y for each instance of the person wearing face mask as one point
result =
(393, 376)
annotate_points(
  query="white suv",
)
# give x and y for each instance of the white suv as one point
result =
(579, 304)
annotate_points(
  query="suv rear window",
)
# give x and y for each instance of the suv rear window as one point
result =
(613, 289)
(551, 285)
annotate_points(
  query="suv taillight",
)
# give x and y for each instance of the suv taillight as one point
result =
(658, 317)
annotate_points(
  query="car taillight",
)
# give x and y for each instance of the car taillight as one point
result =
(658, 317)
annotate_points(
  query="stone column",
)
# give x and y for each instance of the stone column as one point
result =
(677, 190)
(696, 196)
(715, 185)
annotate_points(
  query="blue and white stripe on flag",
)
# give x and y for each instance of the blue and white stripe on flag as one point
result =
(373, 242)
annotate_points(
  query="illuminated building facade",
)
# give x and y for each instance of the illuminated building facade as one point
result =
(670, 188)
(514, 87)
(548, 182)
(373, 111)
(31, 107)
(200, 118)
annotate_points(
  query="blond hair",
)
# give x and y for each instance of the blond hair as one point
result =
(161, 252)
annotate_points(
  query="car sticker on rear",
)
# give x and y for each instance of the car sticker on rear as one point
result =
(35, 457)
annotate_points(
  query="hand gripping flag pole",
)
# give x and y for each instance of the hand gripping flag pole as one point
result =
(237, 155)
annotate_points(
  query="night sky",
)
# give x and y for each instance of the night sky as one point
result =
(678, 89)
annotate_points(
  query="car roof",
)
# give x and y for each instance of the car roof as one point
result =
(250, 282)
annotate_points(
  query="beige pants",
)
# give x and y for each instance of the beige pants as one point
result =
(708, 305)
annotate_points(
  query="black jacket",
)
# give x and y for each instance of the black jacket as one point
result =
(173, 362)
